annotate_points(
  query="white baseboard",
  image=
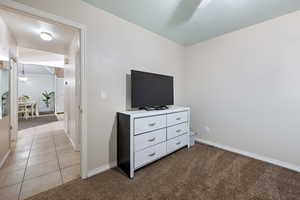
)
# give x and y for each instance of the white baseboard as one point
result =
(4, 158)
(75, 147)
(101, 169)
(251, 155)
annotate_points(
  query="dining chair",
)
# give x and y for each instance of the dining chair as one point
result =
(22, 109)
(34, 110)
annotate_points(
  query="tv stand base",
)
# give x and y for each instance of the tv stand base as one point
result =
(151, 108)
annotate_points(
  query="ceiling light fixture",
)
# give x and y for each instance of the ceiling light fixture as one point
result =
(204, 3)
(46, 36)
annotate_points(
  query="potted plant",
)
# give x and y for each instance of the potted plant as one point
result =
(47, 97)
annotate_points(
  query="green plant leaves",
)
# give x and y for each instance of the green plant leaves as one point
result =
(47, 97)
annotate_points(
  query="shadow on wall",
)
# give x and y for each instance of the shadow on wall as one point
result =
(113, 144)
(113, 134)
(128, 91)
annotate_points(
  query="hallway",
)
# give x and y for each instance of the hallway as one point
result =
(42, 158)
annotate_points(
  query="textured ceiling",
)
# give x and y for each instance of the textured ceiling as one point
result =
(26, 30)
(184, 22)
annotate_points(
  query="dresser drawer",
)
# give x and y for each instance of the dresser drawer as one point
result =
(177, 118)
(177, 130)
(149, 139)
(177, 143)
(149, 154)
(142, 125)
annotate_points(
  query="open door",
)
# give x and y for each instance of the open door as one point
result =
(4, 110)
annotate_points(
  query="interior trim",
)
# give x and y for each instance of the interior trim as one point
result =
(251, 155)
(75, 146)
(4, 158)
(101, 169)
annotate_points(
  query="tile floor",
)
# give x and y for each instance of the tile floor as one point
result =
(41, 159)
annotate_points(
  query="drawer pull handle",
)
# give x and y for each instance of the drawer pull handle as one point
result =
(178, 118)
(178, 143)
(152, 124)
(178, 131)
(151, 140)
(152, 154)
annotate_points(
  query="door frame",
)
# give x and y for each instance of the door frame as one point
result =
(5, 66)
(13, 98)
(82, 109)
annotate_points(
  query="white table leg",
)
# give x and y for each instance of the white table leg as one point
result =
(32, 111)
(37, 110)
(26, 114)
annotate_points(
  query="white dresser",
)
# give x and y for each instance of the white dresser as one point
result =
(146, 136)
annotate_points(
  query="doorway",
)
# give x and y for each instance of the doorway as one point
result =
(4, 111)
(46, 151)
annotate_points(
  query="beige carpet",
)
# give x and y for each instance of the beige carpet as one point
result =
(201, 172)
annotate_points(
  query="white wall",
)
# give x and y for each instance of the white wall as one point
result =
(114, 46)
(8, 49)
(6, 39)
(35, 86)
(4, 85)
(245, 87)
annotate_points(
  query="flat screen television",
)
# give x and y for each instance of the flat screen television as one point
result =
(150, 90)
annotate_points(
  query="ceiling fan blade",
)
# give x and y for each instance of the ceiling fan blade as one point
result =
(184, 11)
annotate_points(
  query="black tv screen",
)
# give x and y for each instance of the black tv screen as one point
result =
(148, 89)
